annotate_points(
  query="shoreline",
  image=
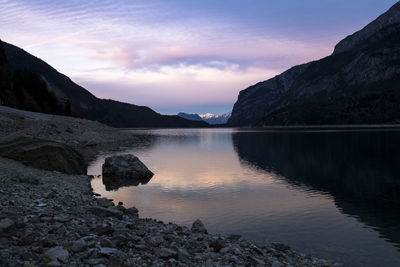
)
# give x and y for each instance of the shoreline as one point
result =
(49, 218)
(334, 127)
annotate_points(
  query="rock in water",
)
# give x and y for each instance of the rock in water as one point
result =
(124, 170)
(43, 154)
(198, 227)
(132, 211)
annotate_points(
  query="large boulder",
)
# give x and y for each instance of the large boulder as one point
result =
(43, 154)
(124, 170)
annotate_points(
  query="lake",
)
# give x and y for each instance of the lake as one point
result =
(333, 194)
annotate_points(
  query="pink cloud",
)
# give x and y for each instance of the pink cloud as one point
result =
(197, 61)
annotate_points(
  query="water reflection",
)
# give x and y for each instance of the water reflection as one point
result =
(114, 183)
(315, 191)
(359, 169)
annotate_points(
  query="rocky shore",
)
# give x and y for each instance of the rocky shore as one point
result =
(49, 218)
(88, 137)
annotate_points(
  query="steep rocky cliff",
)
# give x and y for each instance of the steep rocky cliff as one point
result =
(357, 84)
(392, 16)
(257, 100)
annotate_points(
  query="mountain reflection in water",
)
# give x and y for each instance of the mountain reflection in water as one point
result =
(361, 170)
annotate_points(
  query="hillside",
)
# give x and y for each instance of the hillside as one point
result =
(85, 104)
(5, 79)
(214, 119)
(188, 116)
(357, 84)
(209, 118)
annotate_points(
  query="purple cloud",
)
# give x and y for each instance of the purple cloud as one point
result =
(179, 53)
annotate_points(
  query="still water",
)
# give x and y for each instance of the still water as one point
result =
(333, 194)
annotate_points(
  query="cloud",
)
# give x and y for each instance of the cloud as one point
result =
(162, 53)
(132, 36)
(178, 85)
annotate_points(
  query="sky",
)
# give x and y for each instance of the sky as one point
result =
(180, 55)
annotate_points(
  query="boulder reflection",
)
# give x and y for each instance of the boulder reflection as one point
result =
(115, 183)
(361, 170)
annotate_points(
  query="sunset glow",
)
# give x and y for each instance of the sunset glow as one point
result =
(192, 56)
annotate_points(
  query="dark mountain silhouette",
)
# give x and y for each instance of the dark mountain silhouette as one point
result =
(6, 94)
(188, 116)
(79, 102)
(358, 84)
(26, 90)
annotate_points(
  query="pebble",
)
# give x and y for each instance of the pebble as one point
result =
(6, 224)
(57, 253)
(79, 246)
(104, 202)
(276, 264)
(166, 253)
(108, 251)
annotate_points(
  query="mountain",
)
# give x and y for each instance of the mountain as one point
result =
(192, 117)
(25, 90)
(215, 119)
(208, 117)
(358, 84)
(81, 102)
(5, 78)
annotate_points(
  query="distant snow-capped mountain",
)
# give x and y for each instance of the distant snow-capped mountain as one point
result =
(215, 119)
(208, 117)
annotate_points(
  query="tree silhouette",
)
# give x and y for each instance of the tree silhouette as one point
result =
(27, 82)
(68, 108)
(5, 82)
